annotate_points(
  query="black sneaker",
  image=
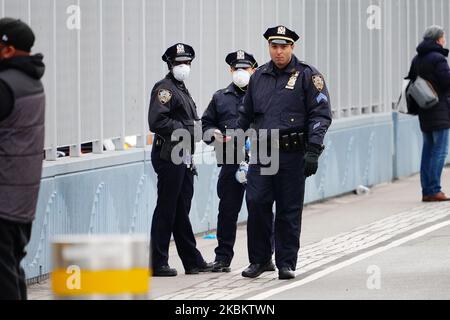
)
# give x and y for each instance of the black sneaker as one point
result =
(286, 273)
(221, 266)
(164, 271)
(255, 269)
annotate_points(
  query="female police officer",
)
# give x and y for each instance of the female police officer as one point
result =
(172, 108)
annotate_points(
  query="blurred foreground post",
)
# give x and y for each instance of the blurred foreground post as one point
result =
(100, 267)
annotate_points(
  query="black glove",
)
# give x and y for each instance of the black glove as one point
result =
(313, 152)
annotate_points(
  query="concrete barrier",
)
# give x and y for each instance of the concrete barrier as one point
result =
(115, 193)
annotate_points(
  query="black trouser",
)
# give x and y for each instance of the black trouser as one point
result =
(231, 195)
(175, 192)
(286, 189)
(13, 239)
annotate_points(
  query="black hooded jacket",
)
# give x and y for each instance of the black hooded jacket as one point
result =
(22, 135)
(431, 64)
(33, 66)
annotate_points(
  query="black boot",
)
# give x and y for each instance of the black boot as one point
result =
(205, 267)
(286, 273)
(255, 269)
(221, 266)
(164, 271)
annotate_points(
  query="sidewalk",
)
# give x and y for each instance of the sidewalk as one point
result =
(326, 220)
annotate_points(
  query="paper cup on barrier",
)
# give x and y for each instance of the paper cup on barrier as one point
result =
(101, 267)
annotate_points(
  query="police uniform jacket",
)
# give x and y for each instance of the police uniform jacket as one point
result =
(295, 99)
(223, 111)
(171, 108)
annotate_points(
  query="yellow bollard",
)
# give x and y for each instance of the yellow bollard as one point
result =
(101, 267)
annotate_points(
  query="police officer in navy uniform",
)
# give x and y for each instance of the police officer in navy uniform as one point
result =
(291, 96)
(172, 108)
(220, 116)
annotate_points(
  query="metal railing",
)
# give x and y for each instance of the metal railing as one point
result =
(104, 56)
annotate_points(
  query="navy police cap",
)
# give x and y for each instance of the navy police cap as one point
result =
(281, 35)
(241, 59)
(179, 52)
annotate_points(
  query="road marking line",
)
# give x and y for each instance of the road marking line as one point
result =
(324, 252)
(349, 262)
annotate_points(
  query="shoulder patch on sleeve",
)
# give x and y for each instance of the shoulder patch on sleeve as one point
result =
(318, 82)
(164, 96)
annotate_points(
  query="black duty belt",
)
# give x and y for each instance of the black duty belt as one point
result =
(291, 142)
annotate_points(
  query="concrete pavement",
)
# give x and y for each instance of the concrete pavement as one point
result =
(384, 245)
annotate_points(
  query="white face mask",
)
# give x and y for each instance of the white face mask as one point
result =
(241, 78)
(181, 72)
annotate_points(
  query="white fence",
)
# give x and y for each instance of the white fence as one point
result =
(104, 56)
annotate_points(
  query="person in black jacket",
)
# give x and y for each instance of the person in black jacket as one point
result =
(431, 64)
(172, 108)
(22, 115)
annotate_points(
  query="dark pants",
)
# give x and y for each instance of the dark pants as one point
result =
(231, 195)
(286, 189)
(435, 149)
(175, 192)
(13, 239)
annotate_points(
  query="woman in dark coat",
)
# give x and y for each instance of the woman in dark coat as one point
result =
(431, 64)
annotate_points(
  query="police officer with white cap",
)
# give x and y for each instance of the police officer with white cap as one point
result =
(290, 96)
(172, 108)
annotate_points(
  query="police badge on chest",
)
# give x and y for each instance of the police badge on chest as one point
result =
(292, 81)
